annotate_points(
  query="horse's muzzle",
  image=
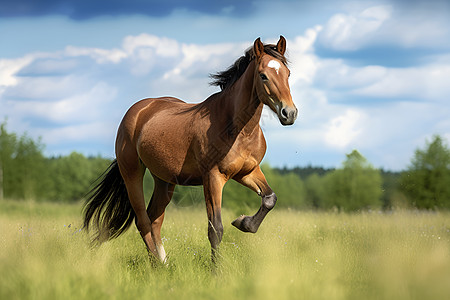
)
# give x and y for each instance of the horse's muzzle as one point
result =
(288, 115)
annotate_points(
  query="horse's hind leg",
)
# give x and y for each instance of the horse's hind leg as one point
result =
(132, 172)
(162, 194)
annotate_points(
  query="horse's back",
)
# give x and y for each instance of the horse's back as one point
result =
(143, 111)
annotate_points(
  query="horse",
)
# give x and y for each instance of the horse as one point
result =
(207, 144)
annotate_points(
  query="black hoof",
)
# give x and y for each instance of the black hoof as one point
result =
(244, 223)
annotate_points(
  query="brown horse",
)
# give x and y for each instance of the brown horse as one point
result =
(194, 144)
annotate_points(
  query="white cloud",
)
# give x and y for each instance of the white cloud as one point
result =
(392, 24)
(142, 52)
(66, 90)
(349, 31)
(81, 93)
(425, 26)
(9, 68)
(101, 56)
(162, 46)
(344, 129)
(301, 53)
(428, 82)
(336, 74)
(205, 58)
(82, 132)
(81, 107)
(45, 88)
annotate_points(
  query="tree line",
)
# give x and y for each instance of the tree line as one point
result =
(26, 173)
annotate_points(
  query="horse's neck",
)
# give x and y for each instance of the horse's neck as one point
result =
(243, 104)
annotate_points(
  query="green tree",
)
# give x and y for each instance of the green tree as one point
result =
(72, 176)
(288, 187)
(315, 192)
(30, 168)
(427, 180)
(356, 186)
(22, 165)
(239, 199)
(7, 147)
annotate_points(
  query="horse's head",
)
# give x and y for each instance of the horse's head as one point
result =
(271, 80)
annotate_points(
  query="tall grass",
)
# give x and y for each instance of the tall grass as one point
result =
(295, 255)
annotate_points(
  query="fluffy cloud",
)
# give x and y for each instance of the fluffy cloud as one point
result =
(101, 56)
(422, 24)
(77, 96)
(78, 92)
(80, 107)
(304, 62)
(9, 68)
(426, 82)
(344, 129)
(164, 47)
(350, 31)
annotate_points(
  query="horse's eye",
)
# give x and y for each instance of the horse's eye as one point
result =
(263, 77)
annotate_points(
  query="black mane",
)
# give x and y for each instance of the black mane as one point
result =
(228, 77)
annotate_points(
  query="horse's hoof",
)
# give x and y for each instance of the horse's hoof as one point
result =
(244, 223)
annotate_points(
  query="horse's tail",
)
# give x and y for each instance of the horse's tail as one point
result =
(108, 206)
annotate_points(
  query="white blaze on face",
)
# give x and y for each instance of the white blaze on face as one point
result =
(274, 65)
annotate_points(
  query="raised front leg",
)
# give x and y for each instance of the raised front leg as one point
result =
(256, 182)
(213, 184)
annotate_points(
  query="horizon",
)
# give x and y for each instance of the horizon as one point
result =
(370, 75)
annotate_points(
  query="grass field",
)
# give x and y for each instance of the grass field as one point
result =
(295, 255)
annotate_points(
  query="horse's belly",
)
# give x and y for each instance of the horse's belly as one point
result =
(166, 165)
(168, 156)
(187, 179)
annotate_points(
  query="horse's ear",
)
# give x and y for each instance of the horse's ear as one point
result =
(258, 48)
(281, 45)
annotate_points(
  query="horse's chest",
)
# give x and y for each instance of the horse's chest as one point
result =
(242, 157)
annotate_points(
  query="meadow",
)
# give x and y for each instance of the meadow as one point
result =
(295, 255)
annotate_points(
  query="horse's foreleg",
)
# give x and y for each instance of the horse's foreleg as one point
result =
(256, 182)
(213, 184)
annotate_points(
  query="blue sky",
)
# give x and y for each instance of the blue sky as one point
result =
(366, 75)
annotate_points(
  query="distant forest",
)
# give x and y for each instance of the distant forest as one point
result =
(25, 173)
(390, 180)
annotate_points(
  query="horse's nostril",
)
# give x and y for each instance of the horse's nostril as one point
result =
(284, 113)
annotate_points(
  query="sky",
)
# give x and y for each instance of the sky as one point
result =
(367, 75)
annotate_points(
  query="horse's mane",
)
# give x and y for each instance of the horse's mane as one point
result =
(228, 77)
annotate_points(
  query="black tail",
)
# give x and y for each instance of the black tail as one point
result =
(108, 206)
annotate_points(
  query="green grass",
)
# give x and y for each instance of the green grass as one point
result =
(295, 255)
